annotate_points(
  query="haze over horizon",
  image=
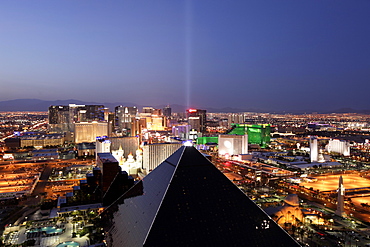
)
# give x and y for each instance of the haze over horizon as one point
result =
(32, 105)
(244, 54)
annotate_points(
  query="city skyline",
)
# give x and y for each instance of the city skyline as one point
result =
(36, 105)
(82, 175)
(272, 56)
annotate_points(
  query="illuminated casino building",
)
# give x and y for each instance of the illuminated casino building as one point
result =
(338, 146)
(314, 149)
(207, 140)
(126, 120)
(102, 145)
(63, 118)
(154, 154)
(229, 145)
(197, 119)
(128, 144)
(88, 131)
(59, 119)
(181, 131)
(257, 134)
(35, 139)
(288, 213)
(86, 113)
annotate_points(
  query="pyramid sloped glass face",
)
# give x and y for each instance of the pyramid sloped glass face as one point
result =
(186, 201)
(133, 213)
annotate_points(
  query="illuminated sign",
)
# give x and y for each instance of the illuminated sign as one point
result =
(192, 110)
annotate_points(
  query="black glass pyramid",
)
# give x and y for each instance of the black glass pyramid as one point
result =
(187, 201)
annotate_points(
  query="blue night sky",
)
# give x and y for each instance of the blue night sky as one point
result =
(273, 55)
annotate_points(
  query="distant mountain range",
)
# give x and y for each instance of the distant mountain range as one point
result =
(43, 105)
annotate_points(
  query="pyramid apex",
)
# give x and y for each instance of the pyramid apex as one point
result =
(186, 200)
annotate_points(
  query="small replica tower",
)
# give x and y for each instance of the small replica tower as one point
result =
(340, 201)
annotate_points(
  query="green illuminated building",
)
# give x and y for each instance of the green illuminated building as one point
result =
(207, 139)
(257, 134)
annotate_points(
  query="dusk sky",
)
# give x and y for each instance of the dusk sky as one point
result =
(273, 55)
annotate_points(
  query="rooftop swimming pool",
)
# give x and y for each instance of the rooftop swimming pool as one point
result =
(47, 229)
(68, 244)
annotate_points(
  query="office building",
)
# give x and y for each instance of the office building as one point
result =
(187, 201)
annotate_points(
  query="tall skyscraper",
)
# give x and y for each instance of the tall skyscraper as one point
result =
(110, 118)
(126, 120)
(152, 119)
(314, 149)
(58, 114)
(187, 201)
(92, 113)
(63, 118)
(85, 113)
(197, 119)
(236, 118)
(167, 111)
(59, 118)
(148, 109)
